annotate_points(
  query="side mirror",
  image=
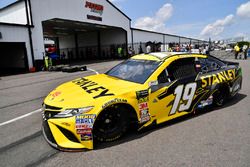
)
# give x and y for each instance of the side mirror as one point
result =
(154, 87)
(153, 83)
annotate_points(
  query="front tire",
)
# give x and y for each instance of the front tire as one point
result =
(111, 124)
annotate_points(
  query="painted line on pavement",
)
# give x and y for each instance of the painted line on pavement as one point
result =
(89, 69)
(11, 105)
(21, 117)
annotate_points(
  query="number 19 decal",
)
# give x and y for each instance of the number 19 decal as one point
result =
(188, 95)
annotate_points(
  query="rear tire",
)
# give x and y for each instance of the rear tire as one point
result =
(111, 124)
(219, 97)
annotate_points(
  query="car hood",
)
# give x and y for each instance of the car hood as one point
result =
(89, 90)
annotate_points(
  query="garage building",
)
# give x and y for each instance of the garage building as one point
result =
(80, 30)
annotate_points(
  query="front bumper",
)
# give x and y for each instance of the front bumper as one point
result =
(62, 138)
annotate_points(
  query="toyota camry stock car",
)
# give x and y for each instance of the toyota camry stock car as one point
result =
(143, 90)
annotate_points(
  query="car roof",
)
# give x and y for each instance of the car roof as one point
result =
(161, 56)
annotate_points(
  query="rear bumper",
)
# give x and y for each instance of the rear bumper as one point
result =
(236, 87)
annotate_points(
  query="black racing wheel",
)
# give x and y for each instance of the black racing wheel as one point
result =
(111, 124)
(219, 97)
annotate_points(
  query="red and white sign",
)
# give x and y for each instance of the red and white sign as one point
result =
(96, 8)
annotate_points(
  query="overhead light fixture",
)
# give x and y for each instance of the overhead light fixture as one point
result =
(79, 23)
(60, 21)
(60, 28)
(46, 33)
(61, 33)
(50, 20)
(99, 26)
(49, 42)
(83, 30)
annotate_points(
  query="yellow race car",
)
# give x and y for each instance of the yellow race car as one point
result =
(143, 90)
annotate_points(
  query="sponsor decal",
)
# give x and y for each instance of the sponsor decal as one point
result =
(86, 137)
(143, 106)
(142, 96)
(84, 126)
(85, 119)
(55, 94)
(65, 124)
(84, 131)
(236, 87)
(144, 114)
(116, 100)
(207, 102)
(92, 88)
(217, 78)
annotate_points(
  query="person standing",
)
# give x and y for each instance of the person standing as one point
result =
(140, 49)
(148, 49)
(207, 49)
(178, 48)
(119, 50)
(130, 51)
(236, 50)
(244, 49)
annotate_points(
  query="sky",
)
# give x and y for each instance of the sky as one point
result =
(218, 19)
(203, 19)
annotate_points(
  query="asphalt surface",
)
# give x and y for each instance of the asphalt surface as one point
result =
(220, 137)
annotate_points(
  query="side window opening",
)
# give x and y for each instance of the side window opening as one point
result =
(163, 77)
(204, 66)
(210, 64)
(182, 68)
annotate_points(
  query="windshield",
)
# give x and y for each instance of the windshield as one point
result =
(134, 70)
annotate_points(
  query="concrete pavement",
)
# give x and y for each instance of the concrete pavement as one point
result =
(217, 138)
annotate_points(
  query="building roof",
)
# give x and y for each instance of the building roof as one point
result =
(118, 9)
(106, 0)
(161, 33)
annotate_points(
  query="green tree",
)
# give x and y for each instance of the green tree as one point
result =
(242, 43)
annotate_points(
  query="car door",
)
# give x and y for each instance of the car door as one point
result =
(175, 92)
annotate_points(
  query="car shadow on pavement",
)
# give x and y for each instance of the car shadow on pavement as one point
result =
(133, 134)
(237, 98)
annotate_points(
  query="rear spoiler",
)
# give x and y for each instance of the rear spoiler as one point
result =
(231, 63)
